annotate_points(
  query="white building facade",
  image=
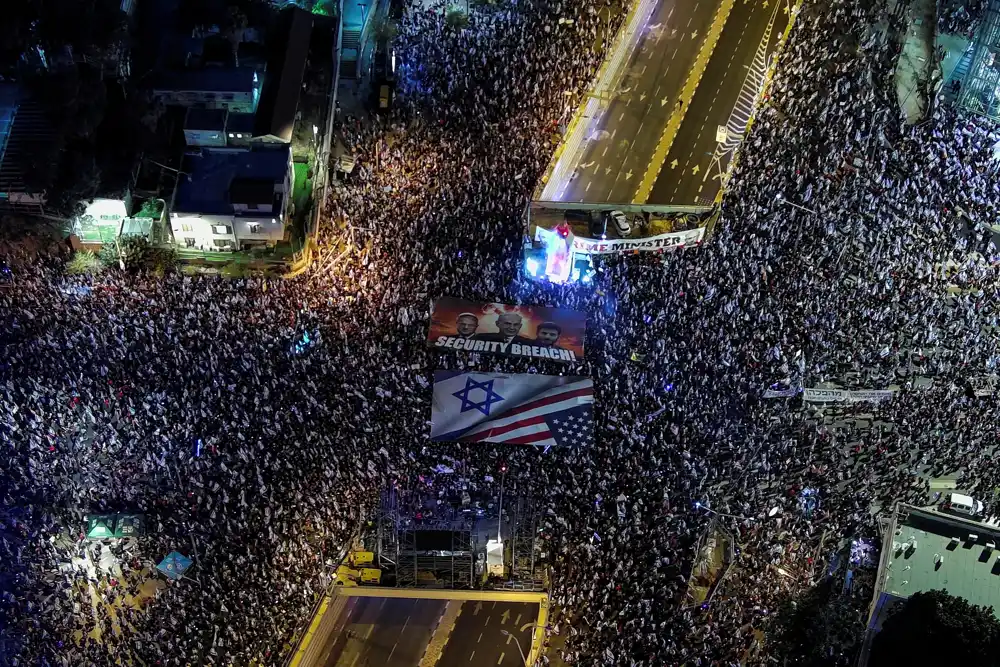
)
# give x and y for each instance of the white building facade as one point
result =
(234, 200)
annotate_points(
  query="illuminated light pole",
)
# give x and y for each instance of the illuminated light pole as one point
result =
(503, 476)
(524, 658)
(782, 200)
(699, 506)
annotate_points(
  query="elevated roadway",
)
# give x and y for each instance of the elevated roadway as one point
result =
(690, 173)
(622, 135)
(405, 627)
(664, 130)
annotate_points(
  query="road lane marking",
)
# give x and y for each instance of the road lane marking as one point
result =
(517, 620)
(472, 656)
(509, 637)
(613, 67)
(500, 659)
(480, 638)
(672, 127)
(441, 634)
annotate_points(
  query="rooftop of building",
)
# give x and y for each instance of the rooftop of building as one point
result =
(286, 63)
(216, 175)
(25, 132)
(967, 568)
(205, 119)
(240, 122)
(208, 80)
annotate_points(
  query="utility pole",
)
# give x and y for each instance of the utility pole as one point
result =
(503, 476)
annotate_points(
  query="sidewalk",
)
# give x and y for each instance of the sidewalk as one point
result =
(917, 60)
(358, 19)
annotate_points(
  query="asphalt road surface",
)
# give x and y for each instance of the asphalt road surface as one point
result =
(383, 632)
(684, 182)
(478, 639)
(610, 166)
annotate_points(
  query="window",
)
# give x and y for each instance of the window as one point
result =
(252, 207)
(188, 242)
(253, 227)
(222, 230)
(227, 96)
(187, 228)
(222, 243)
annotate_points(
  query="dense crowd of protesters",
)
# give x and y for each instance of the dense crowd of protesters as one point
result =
(961, 17)
(254, 422)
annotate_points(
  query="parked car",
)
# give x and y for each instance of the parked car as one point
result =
(963, 504)
(598, 226)
(620, 223)
(383, 75)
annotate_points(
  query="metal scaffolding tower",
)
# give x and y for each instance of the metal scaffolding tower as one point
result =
(422, 556)
(979, 92)
(386, 521)
(436, 568)
(524, 542)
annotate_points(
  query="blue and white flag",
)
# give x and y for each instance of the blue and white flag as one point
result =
(526, 409)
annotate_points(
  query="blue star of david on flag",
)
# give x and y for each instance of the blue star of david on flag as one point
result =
(484, 405)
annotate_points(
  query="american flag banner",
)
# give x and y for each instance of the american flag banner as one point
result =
(518, 409)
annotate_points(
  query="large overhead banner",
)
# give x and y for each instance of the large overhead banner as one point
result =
(657, 243)
(516, 331)
(845, 396)
(517, 409)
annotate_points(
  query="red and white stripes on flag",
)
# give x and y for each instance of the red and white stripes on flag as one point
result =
(527, 424)
(512, 408)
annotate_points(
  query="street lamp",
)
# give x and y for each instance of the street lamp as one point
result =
(699, 506)
(503, 476)
(781, 200)
(524, 658)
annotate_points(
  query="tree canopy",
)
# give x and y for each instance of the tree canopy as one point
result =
(937, 628)
(88, 26)
(823, 628)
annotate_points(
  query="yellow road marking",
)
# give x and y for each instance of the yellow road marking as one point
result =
(538, 632)
(687, 95)
(442, 633)
(613, 61)
(763, 91)
(311, 632)
(436, 594)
